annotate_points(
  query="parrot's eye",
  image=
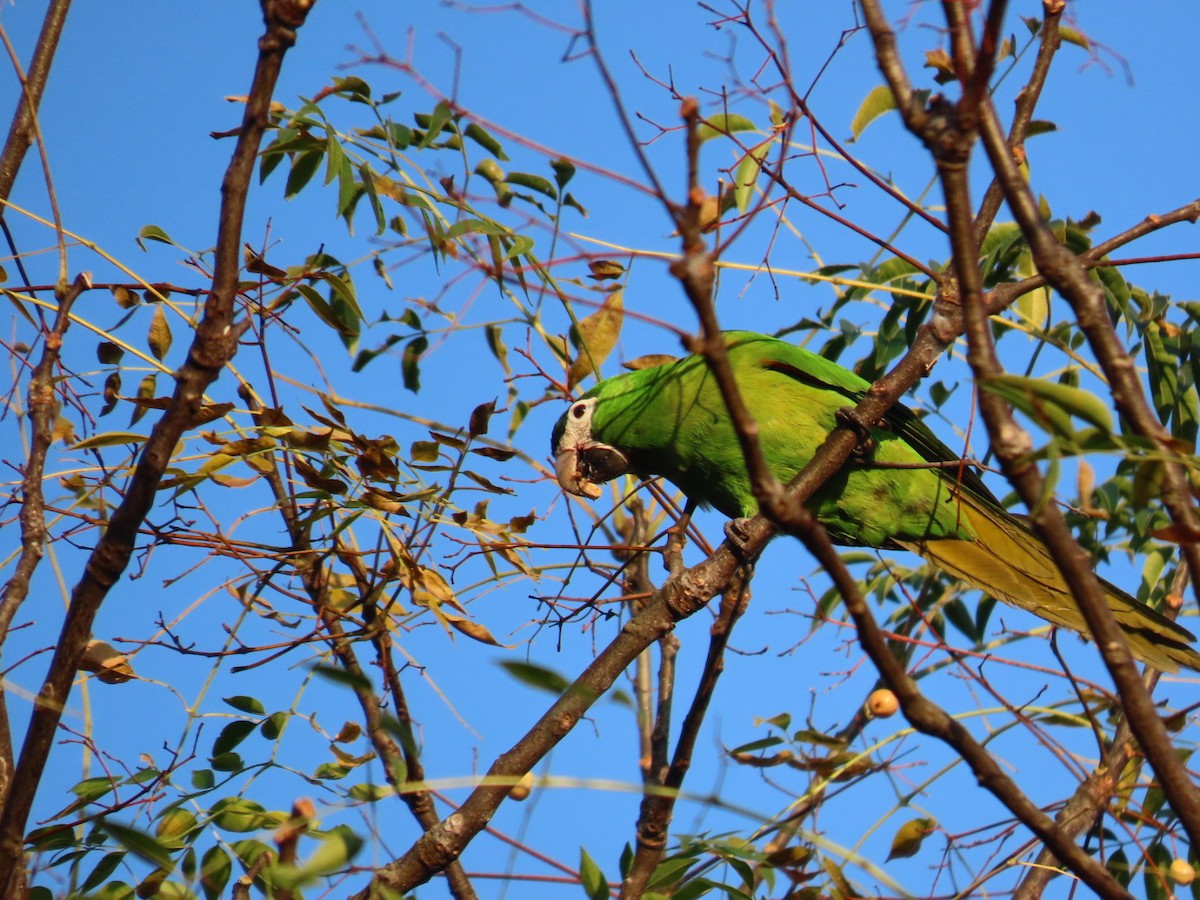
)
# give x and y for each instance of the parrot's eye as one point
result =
(578, 410)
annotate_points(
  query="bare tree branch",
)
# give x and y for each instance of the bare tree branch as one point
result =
(21, 130)
(1069, 277)
(214, 345)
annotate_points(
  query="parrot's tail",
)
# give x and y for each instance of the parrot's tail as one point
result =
(1009, 562)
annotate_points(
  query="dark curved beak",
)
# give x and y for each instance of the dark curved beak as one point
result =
(581, 470)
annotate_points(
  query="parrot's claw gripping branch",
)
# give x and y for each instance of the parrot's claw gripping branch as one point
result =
(736, 533)
(847, 417)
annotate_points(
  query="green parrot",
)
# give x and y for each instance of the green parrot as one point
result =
(670, 420)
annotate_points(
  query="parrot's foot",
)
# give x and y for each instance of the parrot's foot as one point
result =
(865, 447)
(737, 535)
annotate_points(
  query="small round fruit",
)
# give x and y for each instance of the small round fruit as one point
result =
(522, 788)
(882, 703)
(1182, 872)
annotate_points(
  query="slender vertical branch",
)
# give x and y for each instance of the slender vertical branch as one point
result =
(659, 805)
(213, 346)
(43, 409)
(1069, 277)
(1049, 40)
(20, 132)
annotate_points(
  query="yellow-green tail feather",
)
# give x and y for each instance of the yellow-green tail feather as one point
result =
(1009, 562)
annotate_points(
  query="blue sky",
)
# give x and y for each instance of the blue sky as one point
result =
(136, 92)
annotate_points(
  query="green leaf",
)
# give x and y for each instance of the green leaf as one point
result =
(1118, 867)
(334, 157)
(272, 725)
(227, 762)
(109, 439)
(595, 885)
(754, 746)
(521, 245)
(93, 788)
(353, 87)
(245, 704)
(107, 865)
(1072, 36)
(960, 617)
(490, 171)
(139, 844)
(536, 676)
(331, 771)
(371, 793)
(480, 136)
(533, 182)
(434, 123)
(745, 177)
(1147, 483)
(349, 190)
(337, 848)
(1155, 876)
(400, 135)
(232, 735)
(564, 171)
(318, 305)
(783, 721)
(240, 815)
(303, 168)
(1050, 404)
(176, 827)
(475, 226)
(879, 100)
(153, 233)
(723, 124)
(410, 362)
(215, 869)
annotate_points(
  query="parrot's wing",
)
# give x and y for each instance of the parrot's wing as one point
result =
(823, 374)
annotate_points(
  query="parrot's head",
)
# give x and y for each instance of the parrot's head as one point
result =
(582, 462)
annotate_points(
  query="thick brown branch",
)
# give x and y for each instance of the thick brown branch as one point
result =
(676, 600)
(1069, 277)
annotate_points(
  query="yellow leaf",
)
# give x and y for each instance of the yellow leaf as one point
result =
(878, 101)
(110, 666)
(160, 334)
(476, 631)
(907, 841)
(595, 338)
